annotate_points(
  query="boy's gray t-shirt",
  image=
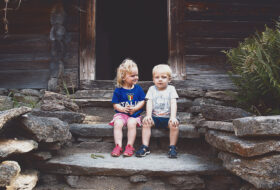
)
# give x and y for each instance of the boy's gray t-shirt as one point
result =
(161, 100)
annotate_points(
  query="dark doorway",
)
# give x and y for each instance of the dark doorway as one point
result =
(136, 29)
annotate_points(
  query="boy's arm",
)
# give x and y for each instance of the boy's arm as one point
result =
(149, 108)
(173, 111)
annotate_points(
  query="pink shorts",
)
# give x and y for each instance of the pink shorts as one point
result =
(125, 119)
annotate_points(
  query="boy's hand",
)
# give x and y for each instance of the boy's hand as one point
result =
(173, 122)
(148, 120)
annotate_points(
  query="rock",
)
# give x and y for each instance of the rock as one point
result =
(221, 95)
(218, 125)
(30, 92)
(8, 171)
(50, 146)
(262, 172)
(246, 148)
(187, 182)
(223, 182)
(248, 187)
(66, 116)
(4, 91)
(257, 126)
(49, 179)
(32, 100)
(49, 105)
(183, 104)
(222, 113)
(41, 156)
(202, 101)
(47, 129)
(6, 103)
(191, 92)
(26, 181)
(7, 115)
(138, 178)
(61, 100)
(8, 147)
(72, 180)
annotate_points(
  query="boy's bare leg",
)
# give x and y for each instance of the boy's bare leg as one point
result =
(118, 135)
(173, 134)
(146, 134)
(131, 131)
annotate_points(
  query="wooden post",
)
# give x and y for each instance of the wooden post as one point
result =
(176, 39)
(87, 40)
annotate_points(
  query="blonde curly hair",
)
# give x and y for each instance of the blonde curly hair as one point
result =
(124, 68)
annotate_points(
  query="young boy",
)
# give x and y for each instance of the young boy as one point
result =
(160, 111)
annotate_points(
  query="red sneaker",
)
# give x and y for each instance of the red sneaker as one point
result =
(116, 151)
(129, 150)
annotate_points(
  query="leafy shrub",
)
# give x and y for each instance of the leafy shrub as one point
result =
(256, 71)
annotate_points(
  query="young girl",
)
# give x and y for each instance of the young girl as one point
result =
(128, 100)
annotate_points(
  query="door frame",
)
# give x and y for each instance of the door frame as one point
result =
(87, 50)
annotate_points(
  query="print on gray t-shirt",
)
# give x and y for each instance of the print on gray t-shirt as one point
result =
(161, 100)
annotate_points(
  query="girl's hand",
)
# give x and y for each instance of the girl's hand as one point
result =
(148, 120)
(125, 109)
(131, 109)
(173, 122)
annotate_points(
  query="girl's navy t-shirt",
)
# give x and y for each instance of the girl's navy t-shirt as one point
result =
(131, 97)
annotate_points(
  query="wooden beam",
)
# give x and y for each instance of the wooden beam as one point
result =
(87, 40)
(176, 38)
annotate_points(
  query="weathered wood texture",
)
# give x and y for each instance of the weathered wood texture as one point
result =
(25, 53)
(211, 26)
(87, 40)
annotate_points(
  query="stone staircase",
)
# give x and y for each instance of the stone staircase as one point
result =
(85, 163)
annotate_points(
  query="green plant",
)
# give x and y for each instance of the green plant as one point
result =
(256, 71)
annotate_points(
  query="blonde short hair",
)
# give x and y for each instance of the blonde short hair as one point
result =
(163, 68)
(124, 68)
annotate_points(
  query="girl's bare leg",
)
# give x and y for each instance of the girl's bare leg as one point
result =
(131, 131)
(118, 135)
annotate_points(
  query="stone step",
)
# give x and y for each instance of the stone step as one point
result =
(105, 115)
(182, 103)
(105, 130)
(151, 165)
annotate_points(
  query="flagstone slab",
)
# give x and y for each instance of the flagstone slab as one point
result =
(24, 181)
(257, 126)
(262, 172)
(10, 146)
(105, 130)
(219, 125)
(247, 148)
(7, 115)
(153, 165)
(8, 171)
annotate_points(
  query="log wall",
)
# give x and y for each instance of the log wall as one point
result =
(214, 25)
(25, 52)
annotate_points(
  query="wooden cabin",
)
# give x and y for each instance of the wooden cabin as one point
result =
(87, 39)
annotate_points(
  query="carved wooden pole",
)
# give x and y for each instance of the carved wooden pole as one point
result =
(87, 40)
(57, 37)
(176, 39)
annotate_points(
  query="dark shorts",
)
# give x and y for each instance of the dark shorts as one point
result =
(161, 122)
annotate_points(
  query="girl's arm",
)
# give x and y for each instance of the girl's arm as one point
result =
(138, 106)
(173, 111)
(120, 108)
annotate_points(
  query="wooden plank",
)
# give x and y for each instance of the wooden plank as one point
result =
(228, 10)
(24, 79)
(34, 78)
(204, 42)
(87, 40)
(176, 38)
(206, 59)
(223, 29)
